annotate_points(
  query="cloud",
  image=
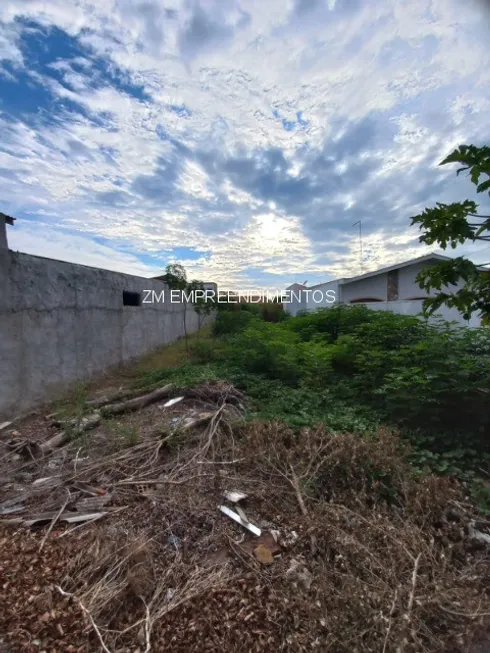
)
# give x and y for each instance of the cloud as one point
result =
(42, 240)
(257, 133)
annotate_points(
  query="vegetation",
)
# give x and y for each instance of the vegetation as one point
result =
(176, 278)
(454, 224)
(354, 369)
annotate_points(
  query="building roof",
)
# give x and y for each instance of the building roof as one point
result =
(298, 286)
(7, 218)
(397, 266)
(420, 259)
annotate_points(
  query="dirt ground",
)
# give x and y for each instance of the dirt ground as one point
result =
(356, 552)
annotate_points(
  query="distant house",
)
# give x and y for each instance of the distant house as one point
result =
(392, 288)
(4, 221)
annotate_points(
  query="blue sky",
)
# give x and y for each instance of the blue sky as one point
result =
(242, 139)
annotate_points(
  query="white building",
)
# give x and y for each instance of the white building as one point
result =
(393, 288)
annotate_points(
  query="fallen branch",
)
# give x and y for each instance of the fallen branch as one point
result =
(295, 483)
(414, 582)
(57, 440)
(148, 627)
(137, 403)
(80, 425)
(75, 428)
(70, 517)
(392, 612)
(53, 521)
(87, 613)
(151, 481)
(200, 421)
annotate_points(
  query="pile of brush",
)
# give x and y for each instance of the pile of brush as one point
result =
(338, 546)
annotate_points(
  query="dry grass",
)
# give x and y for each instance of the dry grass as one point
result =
(169, 355)
(381, 562)
(122, 378)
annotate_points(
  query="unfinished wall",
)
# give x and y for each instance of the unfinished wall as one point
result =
(61, 323)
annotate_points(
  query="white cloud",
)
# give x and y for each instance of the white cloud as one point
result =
(51, 243)
(233, 80)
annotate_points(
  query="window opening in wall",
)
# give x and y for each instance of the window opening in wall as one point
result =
(131, 298)
(392, 285)
(365, 299)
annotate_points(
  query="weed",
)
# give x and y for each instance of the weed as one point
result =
(74, 404)
(122, 434)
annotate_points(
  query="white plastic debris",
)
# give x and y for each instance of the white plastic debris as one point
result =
(242, 514)
(234, 496)
(236, 517)
(172, 402)
(4, 425)
(275, 534)
(289, 539)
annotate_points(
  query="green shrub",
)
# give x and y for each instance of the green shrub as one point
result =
(268, 349)
(273, 312)
(232, 321)
(439, 381)
(330, 323)
(351, 367)
(428, 378)
(204, 351)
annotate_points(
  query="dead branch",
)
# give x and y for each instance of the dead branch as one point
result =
(56, 441)
(74, 428)
(87, 613)
(137, 402)
(392, 612)
(54, 520)
(414, 582)
(80, 425)
(295, 483)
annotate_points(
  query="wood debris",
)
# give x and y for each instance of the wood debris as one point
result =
(127, 551)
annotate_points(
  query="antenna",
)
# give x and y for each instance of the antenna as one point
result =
(360, 241)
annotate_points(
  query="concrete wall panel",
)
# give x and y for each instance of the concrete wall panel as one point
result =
(62, 323)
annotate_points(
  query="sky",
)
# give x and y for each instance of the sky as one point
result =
(241, 139)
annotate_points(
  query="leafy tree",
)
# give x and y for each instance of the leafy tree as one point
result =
(454, 224)
(176, 278)
(203, 305)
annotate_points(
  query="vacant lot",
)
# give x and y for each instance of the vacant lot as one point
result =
(112, 538)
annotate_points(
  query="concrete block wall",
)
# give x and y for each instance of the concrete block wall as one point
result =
(62, 323)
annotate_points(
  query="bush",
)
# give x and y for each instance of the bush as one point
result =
(440, 382)
(273, 312)
(426, 378)
(330, 323)
(268, 349)
(203, 351)
(231, 322)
